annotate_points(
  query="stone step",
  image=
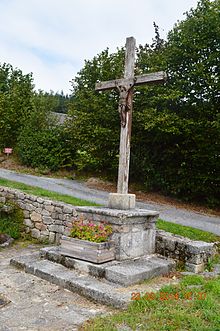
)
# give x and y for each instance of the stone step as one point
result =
(88, 286)
(133, 272)
(109, 285)
(120, 272)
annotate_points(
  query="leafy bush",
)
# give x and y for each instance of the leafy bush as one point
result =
(11, 220)
(16, 91)
(42, 142)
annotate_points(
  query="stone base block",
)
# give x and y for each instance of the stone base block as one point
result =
(121, 201)
(133, 230)
(132, 272)
(195, 254)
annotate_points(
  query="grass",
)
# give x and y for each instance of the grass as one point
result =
(193, 304)
(45, 193)
(187, 231)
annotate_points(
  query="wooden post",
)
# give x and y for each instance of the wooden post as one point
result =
(125, 138)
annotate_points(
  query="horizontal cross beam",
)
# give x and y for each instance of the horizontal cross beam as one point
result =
(156, 77)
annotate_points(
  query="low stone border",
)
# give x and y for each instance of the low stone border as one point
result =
(133, 231)
(44, 219)
(195, 254)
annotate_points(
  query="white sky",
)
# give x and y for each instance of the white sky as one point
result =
(52, 38)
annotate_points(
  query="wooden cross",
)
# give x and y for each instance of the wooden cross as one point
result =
(125, 88)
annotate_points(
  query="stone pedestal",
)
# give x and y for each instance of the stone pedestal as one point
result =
(133, 230)
(121, 201)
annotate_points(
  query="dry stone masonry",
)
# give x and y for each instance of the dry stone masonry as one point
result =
(134, 231)
(44, 219)
(194, 254)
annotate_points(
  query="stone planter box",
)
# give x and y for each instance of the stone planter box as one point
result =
(87, 250)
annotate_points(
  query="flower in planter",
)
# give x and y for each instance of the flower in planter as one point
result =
(90, 231)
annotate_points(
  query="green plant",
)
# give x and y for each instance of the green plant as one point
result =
(211, 262)
(87, 230)
(193, 304)
(209, 265)
(16, 90)
(42, 141)
(11, 220)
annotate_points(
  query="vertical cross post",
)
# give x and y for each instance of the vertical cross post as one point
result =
(121, 199)
(125, 137)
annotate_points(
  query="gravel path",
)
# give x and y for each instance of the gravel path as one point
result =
(37, 305)
(80, 190)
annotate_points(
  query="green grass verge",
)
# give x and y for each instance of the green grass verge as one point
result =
(194, 305)
(187, 231)
(45, 193)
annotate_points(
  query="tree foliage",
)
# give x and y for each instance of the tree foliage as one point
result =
(55, 102)
(42, 142)
(15, 103)
(175, 139)
(94, 127)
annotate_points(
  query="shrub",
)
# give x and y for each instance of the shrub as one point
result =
(42, 143)
(11, 220)
(16, 90)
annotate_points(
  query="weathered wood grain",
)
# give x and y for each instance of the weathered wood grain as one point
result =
(151, 78)
(86, 250)
(125, 137)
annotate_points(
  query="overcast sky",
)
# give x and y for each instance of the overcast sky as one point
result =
(52, 38)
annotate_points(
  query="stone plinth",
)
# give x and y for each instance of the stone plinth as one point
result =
(133, 230)
(121, 201)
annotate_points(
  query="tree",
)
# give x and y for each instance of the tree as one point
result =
(94, 124)
(15, 103)
(57, 102)
(42, 141)
(192, 54)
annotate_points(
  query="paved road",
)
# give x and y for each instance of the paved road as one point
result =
(80, 190)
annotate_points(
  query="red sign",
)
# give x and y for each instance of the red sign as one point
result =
(7, 150)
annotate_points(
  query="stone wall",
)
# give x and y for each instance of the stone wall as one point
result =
(194, 254)
(133, 230)
(44, 219)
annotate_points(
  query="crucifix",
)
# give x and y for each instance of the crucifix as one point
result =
(125, 86)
